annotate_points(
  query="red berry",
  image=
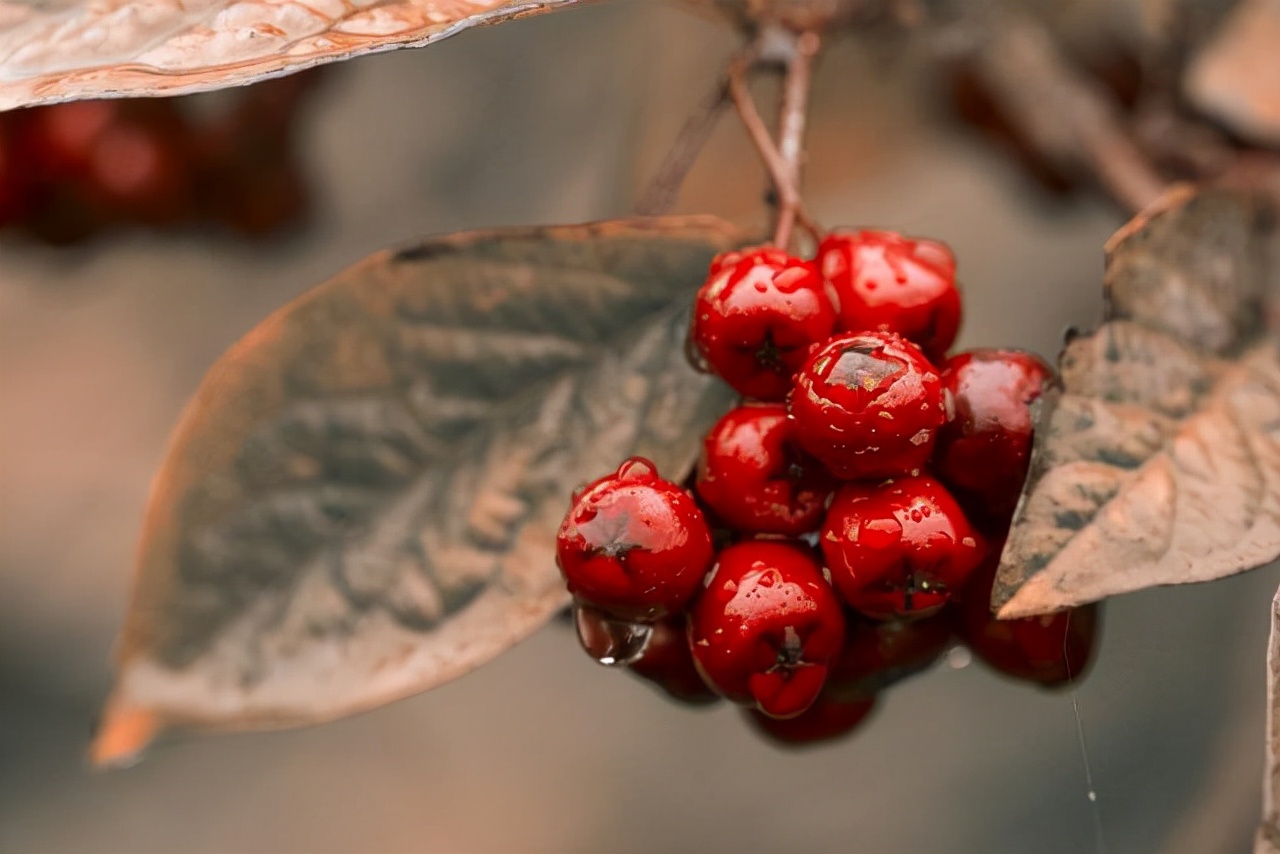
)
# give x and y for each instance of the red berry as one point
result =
(826, 720)
(878, 654)
(668, 663)
(14, 180)
(1051, 650)
(885, 281)
(757, 317)
(868, 405)
(753, 476)
(633, 544)
(983, 452)
(137, 171)
(900, 548)
(63, 136)
(767, 627)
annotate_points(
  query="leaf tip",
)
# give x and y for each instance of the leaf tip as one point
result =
(1032, 599)
(124, 732)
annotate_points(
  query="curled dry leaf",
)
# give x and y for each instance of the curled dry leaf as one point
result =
(361, 501)
(1158, 461)
(61, 51)
(1235, 77)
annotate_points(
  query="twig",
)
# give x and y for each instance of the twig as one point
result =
(783, 172)
(664, 187)
(1268, 839)
(1068, 118)
(791, 125)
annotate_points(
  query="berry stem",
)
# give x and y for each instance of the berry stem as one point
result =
(783, 169)
(791, 126)
(664, 187)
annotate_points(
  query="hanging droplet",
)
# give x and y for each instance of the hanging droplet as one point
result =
(636, 468)
(611, 641)
(697, 360)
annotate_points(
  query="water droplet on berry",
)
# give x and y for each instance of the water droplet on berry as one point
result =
(694, 354)
(609, 640)
(879, 533)
(636, 468)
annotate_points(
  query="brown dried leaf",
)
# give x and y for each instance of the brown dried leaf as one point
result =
(1235, 77)
(1159, 460)
(361, 501)
(61, 51)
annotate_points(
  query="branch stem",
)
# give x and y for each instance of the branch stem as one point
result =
(793, 111)
(1068, 117)
(781, 161)
(664, 187)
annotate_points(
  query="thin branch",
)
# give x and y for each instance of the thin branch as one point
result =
(782, 172)
(664, 187)
(1268, 839)
(760, 136)
(793, 111)
(1068, 117)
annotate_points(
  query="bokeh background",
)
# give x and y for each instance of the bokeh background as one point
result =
(558, 119)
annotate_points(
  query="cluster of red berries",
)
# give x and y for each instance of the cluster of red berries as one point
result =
(70, 171)
(844, 522)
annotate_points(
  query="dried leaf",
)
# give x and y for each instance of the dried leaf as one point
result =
(1268, 839)
(61, 51)
(1159, 460)
(361, 501)
(1235, 77)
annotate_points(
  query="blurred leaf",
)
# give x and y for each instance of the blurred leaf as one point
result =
(61, 51)
(361, 501)
(1235, 77)
(1159, 461)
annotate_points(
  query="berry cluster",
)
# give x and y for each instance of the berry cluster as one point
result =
(70, 171)
(844, 521)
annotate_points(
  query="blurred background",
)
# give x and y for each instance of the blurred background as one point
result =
(558, 119)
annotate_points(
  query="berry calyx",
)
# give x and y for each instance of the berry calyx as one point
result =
(753, 475)
(868, 405)
(634, 545)
(1052, 650)
(983, 452)
(767, 627)
(892, 283)
(757, 317)
(900, 548)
